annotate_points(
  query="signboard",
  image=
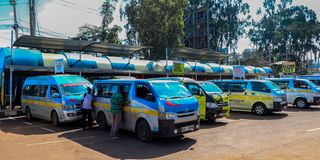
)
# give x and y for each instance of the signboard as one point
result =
(239, 72)
(178, 68)
(58, 66)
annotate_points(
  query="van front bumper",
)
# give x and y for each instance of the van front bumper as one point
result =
(279, 106)
(71, 116)
(221, 111)
(167, 128)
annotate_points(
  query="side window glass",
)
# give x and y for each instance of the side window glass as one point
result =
(103, 90)
(300, 84)
(144, 92)
(33, 91)
(26, 90)
(194, 89)
(237, 87)
(259, 87)
(282, 84)
(43, 90)
(54, 90)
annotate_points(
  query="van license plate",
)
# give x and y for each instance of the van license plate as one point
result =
(187, 128)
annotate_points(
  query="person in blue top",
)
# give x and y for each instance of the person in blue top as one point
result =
(87, 109)
(117, 102)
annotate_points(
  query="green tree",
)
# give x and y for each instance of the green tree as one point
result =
(285, 29)
(156, 23)
(103, 32)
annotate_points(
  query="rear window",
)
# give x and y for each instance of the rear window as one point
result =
(282, 84)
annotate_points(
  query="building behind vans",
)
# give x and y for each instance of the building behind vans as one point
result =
(153, 108)
(56, 98)
(258, 96)
(300, 92)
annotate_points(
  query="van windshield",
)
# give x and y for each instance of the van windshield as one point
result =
(272, 86)
(311, 84)
(210, 87)
(73, 89)
(170, 90)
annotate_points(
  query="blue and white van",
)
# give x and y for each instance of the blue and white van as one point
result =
(56, 98)
(300, 92)
(153, 108)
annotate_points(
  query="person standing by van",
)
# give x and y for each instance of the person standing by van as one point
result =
(117, 101)
(87, 109)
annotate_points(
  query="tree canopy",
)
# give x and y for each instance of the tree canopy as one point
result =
(103, 32)
(156, 23)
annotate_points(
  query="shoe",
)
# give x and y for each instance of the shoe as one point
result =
(114, 138)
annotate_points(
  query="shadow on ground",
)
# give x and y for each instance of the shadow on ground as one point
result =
(237, 115)
(310, 109)
(129, 147)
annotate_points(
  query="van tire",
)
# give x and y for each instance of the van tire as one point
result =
(260, 109)
(143, 131)
(55, 118)
(28, 114)
(301, 103)
(102, 121)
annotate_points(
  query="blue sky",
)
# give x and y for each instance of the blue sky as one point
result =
(61, 18)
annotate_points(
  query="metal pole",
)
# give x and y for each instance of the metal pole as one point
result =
(15, 25)
(11, 107)
(208, 29)
(166, 56)
(32, 16)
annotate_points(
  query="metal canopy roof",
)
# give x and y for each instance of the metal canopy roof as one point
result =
(77, 45)
(197, 54)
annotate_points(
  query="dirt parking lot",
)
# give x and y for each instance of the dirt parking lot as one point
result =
(292, 134)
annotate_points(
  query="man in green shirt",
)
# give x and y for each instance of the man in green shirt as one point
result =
(117, 103)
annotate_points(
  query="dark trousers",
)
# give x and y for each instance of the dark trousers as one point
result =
(86, 113)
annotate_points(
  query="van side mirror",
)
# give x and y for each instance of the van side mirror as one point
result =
(55, 95)
(268, 90)
(150, 97)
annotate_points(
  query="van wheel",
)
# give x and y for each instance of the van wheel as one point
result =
(260, 109)
(102, 121)
(55, 118)
(143, 131)
(301, 103)
(28, 114)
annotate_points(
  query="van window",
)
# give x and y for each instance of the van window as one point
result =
(33, 91)
(43, 90)
(142, 90)
(26, 90)
(282, 84)
(317, 82)
(54, 89)
(103, 90)
(236, 87)
(300, 84)
(193, 88)
(259, 87)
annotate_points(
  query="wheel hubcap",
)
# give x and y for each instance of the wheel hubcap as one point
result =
(259, 110)
(300, 104)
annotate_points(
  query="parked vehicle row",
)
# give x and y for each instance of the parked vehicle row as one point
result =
(164, 107)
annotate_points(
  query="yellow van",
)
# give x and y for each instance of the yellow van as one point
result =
(258, 96)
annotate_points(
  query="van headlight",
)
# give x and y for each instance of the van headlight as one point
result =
(198, 112)
(277, 99)
(167, 116)
(316, 94)
(217, 98)
(161, 108)
(68, 107)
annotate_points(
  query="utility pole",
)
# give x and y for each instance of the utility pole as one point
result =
(15, 25)
(32, 16)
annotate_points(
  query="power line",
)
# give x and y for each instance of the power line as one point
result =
(73, 7)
